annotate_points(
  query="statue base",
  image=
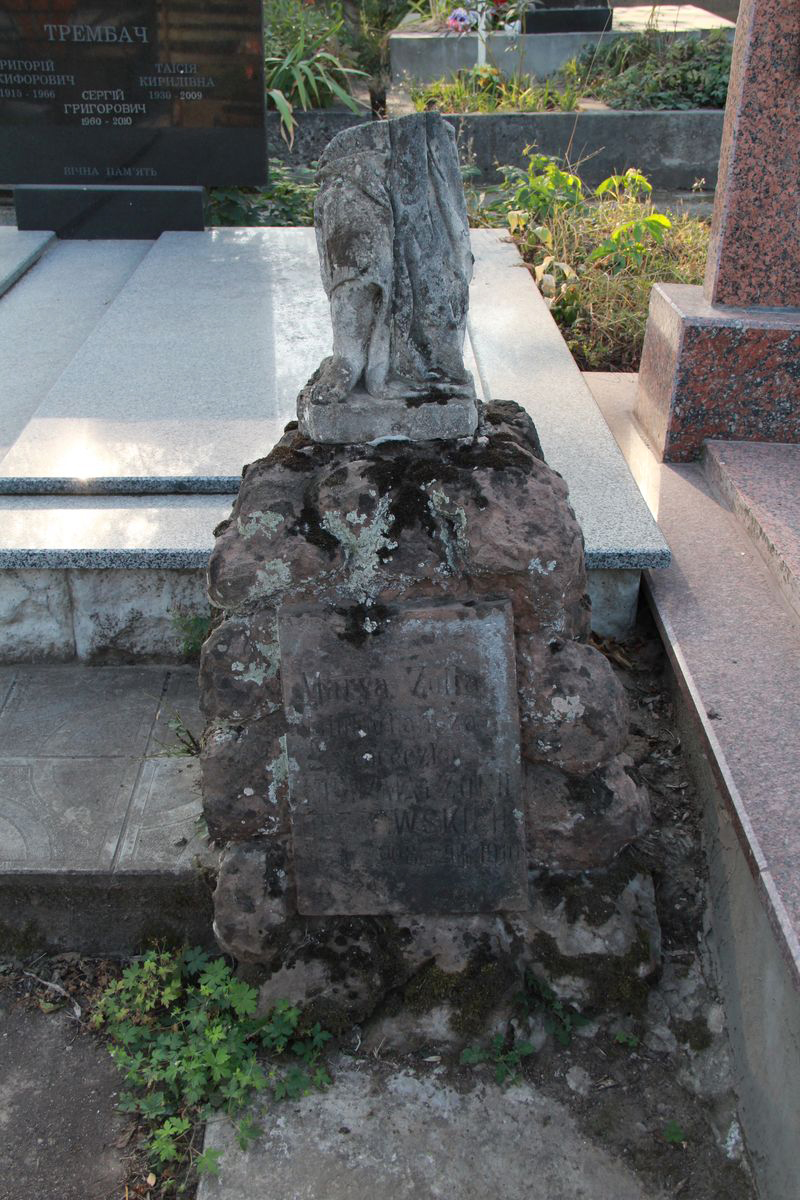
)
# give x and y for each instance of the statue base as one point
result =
(362, 418)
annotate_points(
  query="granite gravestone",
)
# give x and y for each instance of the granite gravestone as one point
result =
(112, 112)
(567, 16)
(404, 762)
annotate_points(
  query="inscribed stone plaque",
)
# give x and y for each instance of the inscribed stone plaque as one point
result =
(404, 762)
(150, 92)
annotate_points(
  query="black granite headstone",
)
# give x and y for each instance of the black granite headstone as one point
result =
(152, 93)
(567, 16)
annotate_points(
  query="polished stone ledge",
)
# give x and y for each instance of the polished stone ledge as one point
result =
(120, 485)
(18, 252)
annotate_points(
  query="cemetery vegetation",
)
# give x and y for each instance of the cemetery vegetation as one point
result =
(185, 1034)
(367, 28)
(648, 71)
(307, 61)
(595, 253)
(655, 71)
(485, 90)
(288, 199)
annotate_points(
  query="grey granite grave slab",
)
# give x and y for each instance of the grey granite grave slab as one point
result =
(404, 759)
(215, 334)
(195, 368)
(522, 356)
(124, 532)
(46, 316)
(19, 251)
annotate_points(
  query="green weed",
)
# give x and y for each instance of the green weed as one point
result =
(485, 90)
(504, 1058)
(560, 1019)
(656, 71)
(288, 199)
(194, 628)
(673, 1134)
(595, 254)
(183, 1032)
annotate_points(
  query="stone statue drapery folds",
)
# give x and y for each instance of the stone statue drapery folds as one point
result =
(396, 264)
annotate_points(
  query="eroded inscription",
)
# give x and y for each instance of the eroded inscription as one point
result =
(404, 760)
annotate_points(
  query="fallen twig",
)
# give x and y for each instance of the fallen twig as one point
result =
(56, 987)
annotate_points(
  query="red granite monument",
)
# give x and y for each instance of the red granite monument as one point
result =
(723, 361)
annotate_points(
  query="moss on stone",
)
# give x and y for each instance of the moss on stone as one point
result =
(695, 1033)
(591, 895)
(471, 995)
(21, 941)
(614, 983)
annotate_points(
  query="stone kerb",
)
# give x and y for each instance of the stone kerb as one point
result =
(427, 56)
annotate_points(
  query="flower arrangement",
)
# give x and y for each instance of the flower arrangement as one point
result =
(485, 15)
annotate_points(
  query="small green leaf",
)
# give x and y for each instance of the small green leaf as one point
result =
(207, 1163)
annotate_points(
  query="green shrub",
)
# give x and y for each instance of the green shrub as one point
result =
(653, 70)
(288, 199)
(306, 64)
(286, 21)
(596, 254)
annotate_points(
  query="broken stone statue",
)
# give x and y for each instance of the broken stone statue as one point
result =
(413, 759)
(396, 264)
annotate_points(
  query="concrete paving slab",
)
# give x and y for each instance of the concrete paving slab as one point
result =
(18, 251)
(46, 316)
(69, 711)
(58, 1121)
(383, 1131)
(162, 830)
(100, 841)
(59, 814)
(180, 699)
(668, 18)
(7, 677)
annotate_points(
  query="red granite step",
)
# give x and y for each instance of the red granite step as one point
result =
(761, 483)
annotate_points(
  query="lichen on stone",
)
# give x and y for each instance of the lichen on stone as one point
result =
(259, 522)
(363, 540)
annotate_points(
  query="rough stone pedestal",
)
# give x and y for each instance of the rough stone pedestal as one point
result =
(450, 876)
